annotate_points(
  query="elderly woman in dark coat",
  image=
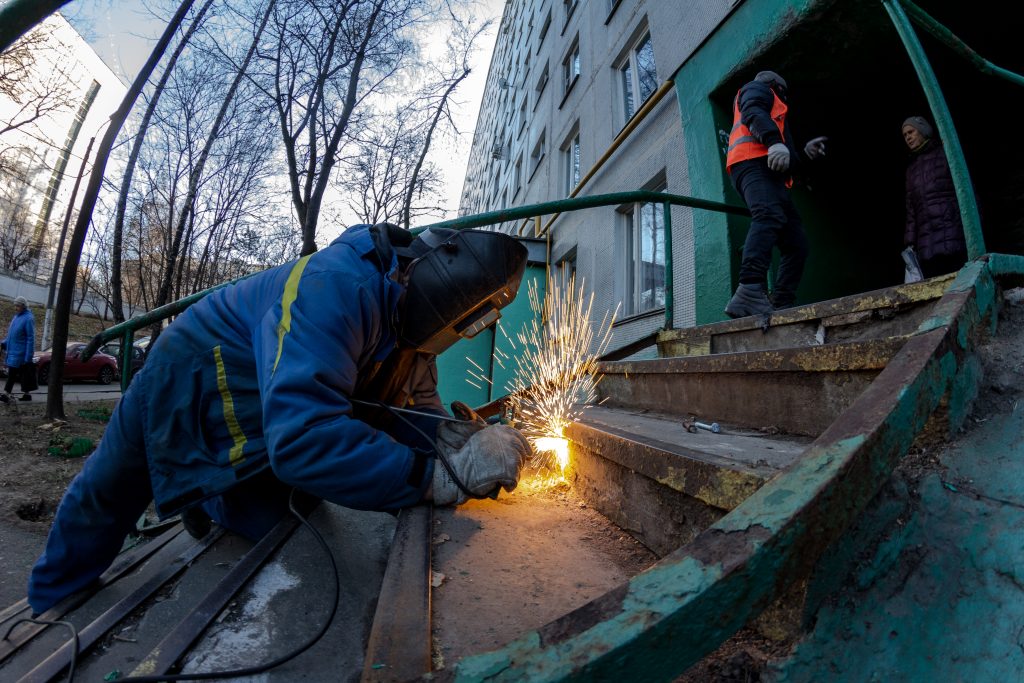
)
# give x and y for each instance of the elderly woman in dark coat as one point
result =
(933, 214)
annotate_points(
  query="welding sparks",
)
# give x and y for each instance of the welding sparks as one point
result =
(556, 369)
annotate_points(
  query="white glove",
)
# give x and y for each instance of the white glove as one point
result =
(815, 149)
(778, 157)
(454, 435)
(492, 458)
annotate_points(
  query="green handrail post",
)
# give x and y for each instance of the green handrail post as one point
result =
(669, 280)
(944, 35)
(944, 122)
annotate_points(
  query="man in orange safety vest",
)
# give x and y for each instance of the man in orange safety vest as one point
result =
(759, 160)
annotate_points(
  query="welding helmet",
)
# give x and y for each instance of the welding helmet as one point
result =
(457, 282)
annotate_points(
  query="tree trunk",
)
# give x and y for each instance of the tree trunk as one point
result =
(163, 296)
(55, 393)
(133, 158)
(18, 16)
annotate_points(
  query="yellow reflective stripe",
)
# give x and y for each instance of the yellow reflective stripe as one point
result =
(291, 291)
(234, 428)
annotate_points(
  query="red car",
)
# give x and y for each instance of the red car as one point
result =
(100, 367)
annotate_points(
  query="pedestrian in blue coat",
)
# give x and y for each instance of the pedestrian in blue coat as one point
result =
(20, 344)
(261, 387)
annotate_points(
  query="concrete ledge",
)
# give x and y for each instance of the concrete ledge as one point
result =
(806, 390)
(668, 617)
(892, 311)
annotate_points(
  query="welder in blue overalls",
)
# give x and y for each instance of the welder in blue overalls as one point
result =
(260, 387)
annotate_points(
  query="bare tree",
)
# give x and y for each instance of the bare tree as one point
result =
(122, 203)
(18, 16)
(55, 395)
(33, 78)
(322, 60)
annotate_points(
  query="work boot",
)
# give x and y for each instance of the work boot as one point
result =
(197, 523)
(748, 300)
(782, 300)
(26, 397)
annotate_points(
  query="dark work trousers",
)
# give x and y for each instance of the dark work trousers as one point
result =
(103, 503)
(13, 375)
(774, 223)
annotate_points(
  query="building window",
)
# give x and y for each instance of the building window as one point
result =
(537, 155)
(542, 83)
(643, 239)
(637, 75)
(571, 66)
(544, 30)
(522, 115)
(570, 7)
(517, 176)
(571, 161)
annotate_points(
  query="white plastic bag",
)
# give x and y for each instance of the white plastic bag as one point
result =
(912, 271)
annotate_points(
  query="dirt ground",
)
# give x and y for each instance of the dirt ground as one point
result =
(38, 459)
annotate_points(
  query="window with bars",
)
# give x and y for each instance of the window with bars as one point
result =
(638, 78)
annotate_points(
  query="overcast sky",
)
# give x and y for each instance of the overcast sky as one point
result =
(123, 33)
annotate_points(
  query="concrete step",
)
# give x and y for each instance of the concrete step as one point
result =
(890, 312)
(795, 390)
(664, 484)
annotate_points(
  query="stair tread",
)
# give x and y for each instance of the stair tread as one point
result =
(748, 450)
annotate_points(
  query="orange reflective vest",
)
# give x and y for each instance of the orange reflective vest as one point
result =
(742, 143)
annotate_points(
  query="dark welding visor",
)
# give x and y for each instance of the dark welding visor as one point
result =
(457, 285)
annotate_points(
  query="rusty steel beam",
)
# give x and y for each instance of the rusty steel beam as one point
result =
(124, 564)
(176, 643)
(399, 644)
(155, 577)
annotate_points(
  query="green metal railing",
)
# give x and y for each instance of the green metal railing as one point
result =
(126, 331)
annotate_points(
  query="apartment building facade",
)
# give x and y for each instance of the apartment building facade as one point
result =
(567, 76)
(64, 97)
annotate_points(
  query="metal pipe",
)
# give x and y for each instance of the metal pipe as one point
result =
(944, 123)
(669, 282)
(944, 35)
(588, 202)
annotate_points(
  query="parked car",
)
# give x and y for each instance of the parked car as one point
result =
(137, 359)
(101, 367)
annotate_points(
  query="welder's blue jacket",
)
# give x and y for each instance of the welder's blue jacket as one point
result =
(259, 374)
(21, 339)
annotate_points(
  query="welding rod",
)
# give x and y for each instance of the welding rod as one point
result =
(406, 410)
(713, 427)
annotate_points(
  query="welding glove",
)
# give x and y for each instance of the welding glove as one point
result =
(454, 435)
(778, 157)
(815, 149)
(491, 458)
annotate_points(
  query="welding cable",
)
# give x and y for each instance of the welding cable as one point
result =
(253, 670)
(46, 622)
(397, 412)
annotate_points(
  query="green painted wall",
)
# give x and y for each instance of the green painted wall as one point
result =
(454, 369)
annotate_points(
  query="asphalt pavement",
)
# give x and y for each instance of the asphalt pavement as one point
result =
(75, 392)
